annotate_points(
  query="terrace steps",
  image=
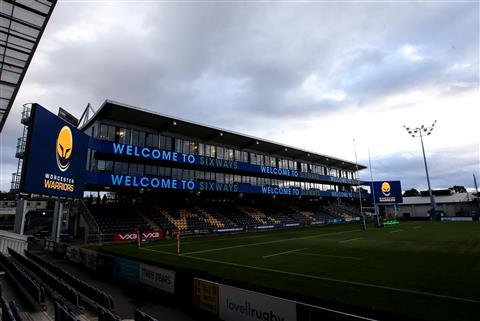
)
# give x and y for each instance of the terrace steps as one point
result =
(148, 220)
(166, 215)
(210, 218)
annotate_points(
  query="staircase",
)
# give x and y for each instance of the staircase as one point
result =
(306, 214)
(93, 233)
(258, 216)
(166, 214)
(209, 218)
(148, 220)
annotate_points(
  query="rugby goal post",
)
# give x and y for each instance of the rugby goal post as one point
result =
(176, 234)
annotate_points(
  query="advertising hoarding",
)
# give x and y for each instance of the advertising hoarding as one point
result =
(387, 192)
(237, 304)
(158, 278)
(55, 156)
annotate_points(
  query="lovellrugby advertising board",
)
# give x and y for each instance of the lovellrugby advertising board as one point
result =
(387, 192)
(237, 304)
(55, 156)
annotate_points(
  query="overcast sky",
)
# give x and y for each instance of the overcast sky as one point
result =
(314, 75)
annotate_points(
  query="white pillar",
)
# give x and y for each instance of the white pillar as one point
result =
(57, 220)
(20, 214)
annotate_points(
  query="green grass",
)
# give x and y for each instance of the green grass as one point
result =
(425, 270)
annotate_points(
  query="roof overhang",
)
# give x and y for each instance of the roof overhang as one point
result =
(22, 23)
(163, 123)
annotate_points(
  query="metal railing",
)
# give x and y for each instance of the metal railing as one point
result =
(94, 233)
(26, 113)
(15, 183)
(21, 144)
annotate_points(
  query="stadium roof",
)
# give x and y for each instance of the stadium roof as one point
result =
(22, 23)
(142, 117)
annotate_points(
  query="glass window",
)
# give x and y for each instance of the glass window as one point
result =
(199, 175)
(210, 150)
(220, 152)
(201, 149)
(136, 169)
(152, 140)
(220, 178)
(138, 138)
(100, 165)
(121, 168)
(245, 157)
(229, 153)
(151, 170)
(178, 145)
(123, 136)
(253, 158)
(107, 132)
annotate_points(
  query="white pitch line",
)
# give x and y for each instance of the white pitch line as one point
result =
(383, 287)
(396, 231)
(163, 252)
(212, 239)
(345, 241)
(417, 227)
(269, 242)
(286, 252)
(332, 256)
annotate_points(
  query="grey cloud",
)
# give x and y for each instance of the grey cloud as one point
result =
(447, 167)
(234, 64)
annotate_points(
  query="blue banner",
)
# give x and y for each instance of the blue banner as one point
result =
(104, 179)
(387, 192)
(205, 161)
(56, 152)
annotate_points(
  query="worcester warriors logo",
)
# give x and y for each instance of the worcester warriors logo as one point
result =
(64, 148)
(386, 188)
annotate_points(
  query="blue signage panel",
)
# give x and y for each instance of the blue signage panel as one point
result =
(105, 179)
(205, 161)
(387, 192)
(55, 158)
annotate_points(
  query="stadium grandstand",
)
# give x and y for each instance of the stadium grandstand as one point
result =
(245, 182)
(215, 223)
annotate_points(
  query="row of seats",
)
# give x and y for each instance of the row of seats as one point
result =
(10, 310)
(26, 279)
(55, 283)
(63, 313)
(108, 315)
(209, 217)
(112, 219)
(87, 290)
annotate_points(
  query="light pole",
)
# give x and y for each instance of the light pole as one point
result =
(420, 132)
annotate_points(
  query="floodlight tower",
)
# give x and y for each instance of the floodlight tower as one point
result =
(421, 131)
